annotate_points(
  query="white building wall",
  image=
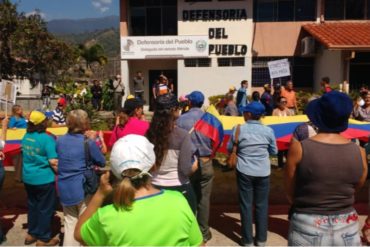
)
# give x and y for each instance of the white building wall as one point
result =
(216, 80)
(328, 63)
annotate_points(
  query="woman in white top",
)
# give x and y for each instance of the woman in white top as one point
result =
(282, 110)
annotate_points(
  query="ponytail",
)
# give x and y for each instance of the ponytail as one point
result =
(124, 193)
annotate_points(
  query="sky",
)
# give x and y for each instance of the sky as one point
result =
(69, 9)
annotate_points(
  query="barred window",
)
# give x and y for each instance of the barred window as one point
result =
(197, 62)
(231, 61)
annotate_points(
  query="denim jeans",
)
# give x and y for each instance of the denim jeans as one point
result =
(2, 176)
(202, 181)
(253, 191)
(187, 191)
(319, 230)
(41, 205)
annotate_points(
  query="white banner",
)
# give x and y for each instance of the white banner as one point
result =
(279, 68)
(140, 47)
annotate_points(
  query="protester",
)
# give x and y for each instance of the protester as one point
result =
(58, 114)
(266, 99)
(141, 215)
(289, 93)
(231, 109)
(276, 95)
(39, 167)
(322, 174)
(184, 104)
(255, 143)
(17, 120)
(362, 113)
(282, 110)
(2, 171)
(97, 94)
(241, 95)
(325, 84)
(139, 85)
(119, 92)
(160, 87)
(173, 150)
(231, 92)
(45, 96)
(202, 179)
(256, 96)
(129, 120)
(98, 137)
(73, 163)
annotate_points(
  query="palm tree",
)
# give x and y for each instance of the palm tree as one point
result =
(92, 54)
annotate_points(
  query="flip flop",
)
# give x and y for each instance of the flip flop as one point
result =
(366, 233)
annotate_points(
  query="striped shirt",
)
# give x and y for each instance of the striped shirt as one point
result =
(58, 117)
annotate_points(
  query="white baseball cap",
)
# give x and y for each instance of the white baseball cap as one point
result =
(132, 152)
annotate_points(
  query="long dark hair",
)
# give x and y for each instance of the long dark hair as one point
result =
(161, 126)
(39, 128)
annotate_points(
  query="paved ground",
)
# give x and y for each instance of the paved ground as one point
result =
(224, 219)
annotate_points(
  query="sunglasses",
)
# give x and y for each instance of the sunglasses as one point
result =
(283, 102)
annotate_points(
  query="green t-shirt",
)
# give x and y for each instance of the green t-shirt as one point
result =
(163, 219)
(37, 149)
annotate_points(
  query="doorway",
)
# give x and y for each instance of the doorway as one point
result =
(154, 75)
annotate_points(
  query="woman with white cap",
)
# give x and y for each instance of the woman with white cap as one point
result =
(322, 175)
(140, 215)
(39, 168)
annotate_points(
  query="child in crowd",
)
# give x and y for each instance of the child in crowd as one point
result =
(17, 120)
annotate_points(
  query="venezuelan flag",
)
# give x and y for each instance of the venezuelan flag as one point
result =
(211, 126)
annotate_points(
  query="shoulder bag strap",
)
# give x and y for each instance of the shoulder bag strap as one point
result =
(236, 139)
(87, 153)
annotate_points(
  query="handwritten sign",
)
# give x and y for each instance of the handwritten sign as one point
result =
(279, 68)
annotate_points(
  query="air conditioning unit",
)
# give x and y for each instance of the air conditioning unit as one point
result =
(308, 47)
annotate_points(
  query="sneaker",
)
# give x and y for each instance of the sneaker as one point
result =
(51, 242)
(30, 239)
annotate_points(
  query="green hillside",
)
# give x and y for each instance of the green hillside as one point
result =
(108, 38)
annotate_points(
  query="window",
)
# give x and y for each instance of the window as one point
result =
(198, 0)
(345, 9)
(301, 71)
(284, 10)
(197, 62)
(153, 17)
(233, 61)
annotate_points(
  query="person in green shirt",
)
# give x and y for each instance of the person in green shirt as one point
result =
(140, 215)
(39, 167)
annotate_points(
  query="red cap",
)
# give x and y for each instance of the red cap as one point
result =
(62, 102)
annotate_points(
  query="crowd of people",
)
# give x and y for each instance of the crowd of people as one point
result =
(158, 186)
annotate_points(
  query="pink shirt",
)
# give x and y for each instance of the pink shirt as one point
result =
(133, 126)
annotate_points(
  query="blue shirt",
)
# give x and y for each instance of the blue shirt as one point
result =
(256, 142)
(37, 150)
(202, 143)
(72, 164)
(17, 122)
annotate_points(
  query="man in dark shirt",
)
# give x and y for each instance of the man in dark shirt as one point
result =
(97, 93)
(202, 179)
(266, 99)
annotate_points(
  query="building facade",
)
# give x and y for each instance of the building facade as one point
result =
(319, 38)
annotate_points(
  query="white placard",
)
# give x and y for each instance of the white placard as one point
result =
(8, 92)
(140, 47)
(279, 68)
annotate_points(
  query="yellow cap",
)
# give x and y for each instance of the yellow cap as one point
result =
(232, 88)
(37, 117)
(131, 96)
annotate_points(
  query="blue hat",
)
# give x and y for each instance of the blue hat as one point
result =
(255, 108)
(196, 98)
(330, 113)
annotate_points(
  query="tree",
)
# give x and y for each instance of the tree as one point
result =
(92, 54)
(28, 50)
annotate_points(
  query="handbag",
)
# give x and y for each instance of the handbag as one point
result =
(233, 157)
(91, 183)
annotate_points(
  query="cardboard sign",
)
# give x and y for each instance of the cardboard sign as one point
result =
(8, 92)
(279, 68)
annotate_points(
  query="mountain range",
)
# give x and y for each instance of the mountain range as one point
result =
(68, 26)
